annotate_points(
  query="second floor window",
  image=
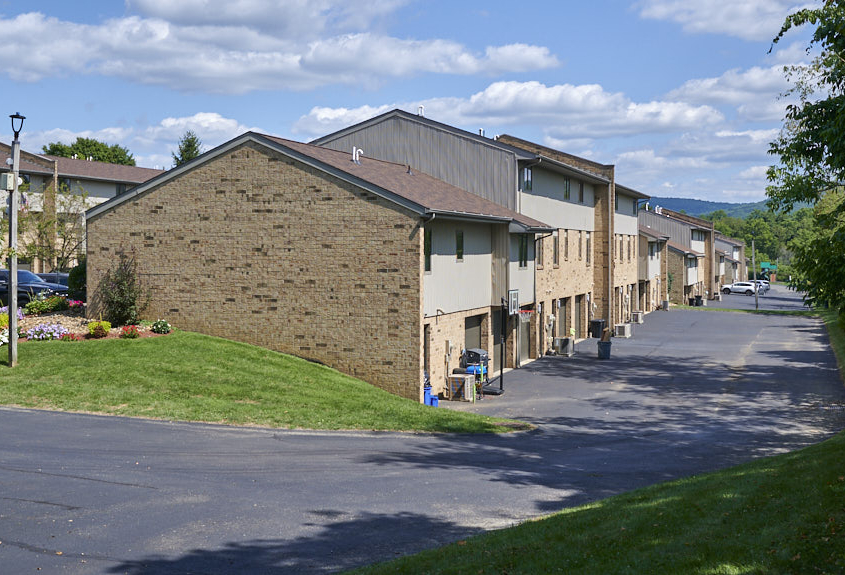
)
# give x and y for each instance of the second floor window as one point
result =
(589, 248)
(427, 249)
(523, 250)
(566, 188)
(580, 192)
(555, 249)
(527, 177)
(459, 245)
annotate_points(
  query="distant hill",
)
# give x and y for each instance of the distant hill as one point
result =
(699, 207)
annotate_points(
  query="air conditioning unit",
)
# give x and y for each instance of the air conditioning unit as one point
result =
(564, 346)
(637, 316)
(462, 386)
(623, 330)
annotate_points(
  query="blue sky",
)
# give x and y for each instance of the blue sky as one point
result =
(681, 95)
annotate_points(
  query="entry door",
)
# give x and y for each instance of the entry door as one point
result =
(524, 339)
(577, 316)
(497, 339)
(562, 327)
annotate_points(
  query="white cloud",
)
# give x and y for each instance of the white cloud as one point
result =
(565, 111)
(298, 19)
(758, 20)
(213, 54)
(151, 146)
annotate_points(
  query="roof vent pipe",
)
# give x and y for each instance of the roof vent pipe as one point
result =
(356, 155)
(421, 111)
(481, 132)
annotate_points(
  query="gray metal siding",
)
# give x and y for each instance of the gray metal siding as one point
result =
(678, 232)
(463, 162)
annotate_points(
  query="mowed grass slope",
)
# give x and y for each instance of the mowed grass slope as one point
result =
(191, 377)
(779, 515)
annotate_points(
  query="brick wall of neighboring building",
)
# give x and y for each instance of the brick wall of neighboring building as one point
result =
(625, 276)
(257, 247)
(676, 266)
(572, 276)
(452, 328)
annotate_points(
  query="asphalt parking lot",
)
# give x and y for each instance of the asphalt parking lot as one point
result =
(692, 391)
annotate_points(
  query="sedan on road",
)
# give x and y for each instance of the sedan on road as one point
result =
(748, 288)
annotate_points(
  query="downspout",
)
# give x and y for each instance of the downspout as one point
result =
(611, 206)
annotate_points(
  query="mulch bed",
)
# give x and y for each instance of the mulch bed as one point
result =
(75, 322)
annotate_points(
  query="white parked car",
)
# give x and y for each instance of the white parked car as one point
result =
(748, 288)
(764, 285)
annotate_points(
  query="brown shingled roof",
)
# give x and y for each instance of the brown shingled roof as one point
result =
(73, 168)
(417, 187)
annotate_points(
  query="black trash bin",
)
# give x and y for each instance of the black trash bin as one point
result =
(698, 301)
(597, 327)
(691, 302)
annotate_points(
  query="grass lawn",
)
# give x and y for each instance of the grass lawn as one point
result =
(191, 377)
(784, 514)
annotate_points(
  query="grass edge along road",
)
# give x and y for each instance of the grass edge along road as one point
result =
(187, 376)
(782, 514)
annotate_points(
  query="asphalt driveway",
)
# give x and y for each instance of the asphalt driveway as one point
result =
(692, 391)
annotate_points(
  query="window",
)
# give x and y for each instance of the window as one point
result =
(427, 249)
(119, 188)
(555, 249)
(580, 192)
(621, 248)
(459, 245)
(616, 200)
(697, 236)
(64, 184)
(651, 250)
(527, 177)
(566, 244)
(630, 244)
(589, 248)
(523, 250)
(580, 248)
(566, 187)
(539, 255)
(636, 207)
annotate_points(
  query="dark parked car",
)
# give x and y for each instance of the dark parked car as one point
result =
(29, 286)
(54, 277)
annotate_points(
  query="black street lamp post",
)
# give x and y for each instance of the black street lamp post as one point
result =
(17, 125)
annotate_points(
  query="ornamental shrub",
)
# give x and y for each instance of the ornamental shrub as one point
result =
(98, 329)
(70, 337)
(129, 332)
(76, 280)
(160, 326)
(46, 304)
(121, 294)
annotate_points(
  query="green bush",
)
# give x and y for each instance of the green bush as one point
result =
(46, 305)
(121, 294)
(98, 329)
(4, 320)
(160, 326)
(76, 281)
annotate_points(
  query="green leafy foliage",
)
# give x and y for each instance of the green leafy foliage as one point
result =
(160, 326)
(811, 152)
(77, 279)
(121, 294)
(46, 305)
(84, 148)
(98, 329)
